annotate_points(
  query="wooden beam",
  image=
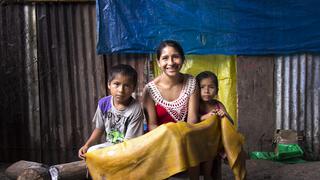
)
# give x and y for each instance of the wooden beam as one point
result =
(74, 170)
(35, 173)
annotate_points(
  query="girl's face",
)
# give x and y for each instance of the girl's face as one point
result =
(208, 89)
(170, 61)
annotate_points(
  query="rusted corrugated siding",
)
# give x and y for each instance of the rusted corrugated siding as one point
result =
(13, 85)
(51, 79)
(72, 77)
(32, 79)
(297, 97)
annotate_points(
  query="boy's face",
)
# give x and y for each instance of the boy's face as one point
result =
(121, 88)
(208, 89)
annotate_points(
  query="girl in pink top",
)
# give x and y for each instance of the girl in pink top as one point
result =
(208, 85)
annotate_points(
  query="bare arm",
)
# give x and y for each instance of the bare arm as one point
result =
(193, 107)
(149, 110)
(95, 136)
(206, 116)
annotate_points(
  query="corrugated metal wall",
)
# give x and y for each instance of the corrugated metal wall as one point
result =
(51, 79)
(297, 97)
(72, 77)
(13, 84)
(32, 79)
(279, 92)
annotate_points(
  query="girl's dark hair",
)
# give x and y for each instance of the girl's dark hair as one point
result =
(170, 43)
(125, 70)
(207, 74)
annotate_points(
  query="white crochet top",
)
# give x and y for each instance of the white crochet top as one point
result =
(178, 109)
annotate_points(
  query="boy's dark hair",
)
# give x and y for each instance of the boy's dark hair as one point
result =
(170, 43)
(207, 74)
(125, 70)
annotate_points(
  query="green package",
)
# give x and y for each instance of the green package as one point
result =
(287, 151)
(284, 153)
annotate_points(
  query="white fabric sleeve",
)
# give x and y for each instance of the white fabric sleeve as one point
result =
(135, 126)
(99, 146)
(98, 119)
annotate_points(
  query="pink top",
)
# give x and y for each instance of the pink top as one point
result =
(216, 106)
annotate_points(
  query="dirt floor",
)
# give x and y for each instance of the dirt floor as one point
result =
(261, 169)
(258, 170)
(3, 167)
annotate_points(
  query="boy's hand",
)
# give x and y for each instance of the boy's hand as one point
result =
(82, 151)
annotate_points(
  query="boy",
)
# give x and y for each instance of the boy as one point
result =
(119, 115)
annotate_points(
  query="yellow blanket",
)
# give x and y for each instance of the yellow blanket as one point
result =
(169, 149)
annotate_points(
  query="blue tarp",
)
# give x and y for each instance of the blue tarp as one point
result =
(209, 26)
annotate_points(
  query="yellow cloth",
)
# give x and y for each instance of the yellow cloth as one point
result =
(169, 149)
(232, 142)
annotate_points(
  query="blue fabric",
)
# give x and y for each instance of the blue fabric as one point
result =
(209, 26)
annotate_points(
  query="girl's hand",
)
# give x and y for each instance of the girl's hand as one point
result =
(219, 112)
(82, 151)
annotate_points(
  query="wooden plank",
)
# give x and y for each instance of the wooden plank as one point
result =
(255, 101)
(35, 173)
(74, 170)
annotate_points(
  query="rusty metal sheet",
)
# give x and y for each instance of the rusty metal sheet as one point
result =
(72, 78)
(13, 85)
(51, 79)
(297, 98)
